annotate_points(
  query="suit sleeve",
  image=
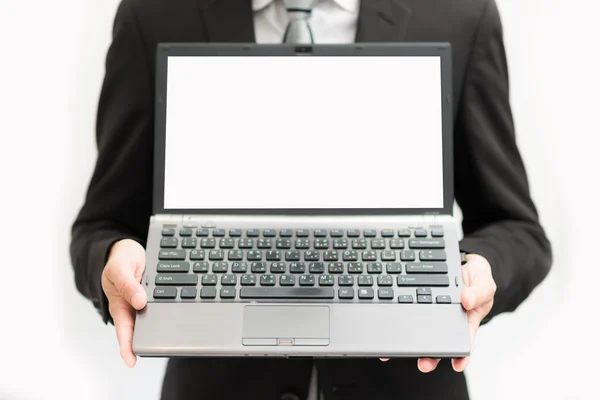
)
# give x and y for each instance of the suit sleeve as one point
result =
(118, 201)
(500, 221)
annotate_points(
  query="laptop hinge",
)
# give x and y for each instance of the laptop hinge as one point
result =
(167, 218)
(435, 218)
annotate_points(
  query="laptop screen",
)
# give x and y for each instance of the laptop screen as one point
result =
(303, 132)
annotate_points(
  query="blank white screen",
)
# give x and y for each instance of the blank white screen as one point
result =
(303, 132)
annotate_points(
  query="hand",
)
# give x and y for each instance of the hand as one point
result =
(477, 299)
(121, 284)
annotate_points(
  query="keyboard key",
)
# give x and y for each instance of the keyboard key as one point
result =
(235, 232)
(252, 232)
(286, 232)
(424, 299)
(405, 298)
(346, 280)
(269, 232)
(248, 280)
(404, 232)
(226, 243)
(443, 299)
(365, 293)
(189, 293)
(165, 292)
(186, 232)
(297, 268)
(355, 268)
(171, 255)
(316, 267)
(283, 243)
(209, 280)
(235, 255)
(353, 233)
(388, 255)
(393, 268)
(423, 280)
(359, 243)
(385, 280)
(176, 280)
(189, 242)
(239, 267)
(320, 233)
(396, 243)
(340, 243)
(374, 268)
(200, 266)
(369, 255)
(264, 243)
(326, 280)
(277, 268)
(311, 255)
(168, 231)
(385, 294)
(432, 255)
(321, 243)
(307, 280)
(345, 293)
(220, 266)
(420, 233)
(169, 243)
(287, 280)
(387, 233)
(427, 268)
(423, 290)
(302, 243)
(292, 255)
(202, 232)
(336, 268)
(228, 280)
(267, 280)
(426, 243)
(370, 233)
(216, 255)
(330, 255)
(218, 232)
(246, 243)
(208, 293)
(365, 280)
(286, 293)
(302, 232)
(258, 267)
(350, 255)
(437, 233)
(208, 243)
(407, 255)
(336, 233)
(273, 255)
(254, 255)
(173, 266)
(197, 255)
(377, 244)
(228, 293)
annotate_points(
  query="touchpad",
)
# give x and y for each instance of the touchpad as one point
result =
(286, 325)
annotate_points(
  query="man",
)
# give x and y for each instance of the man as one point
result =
(509, 252)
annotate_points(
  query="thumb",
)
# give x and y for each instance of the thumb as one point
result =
(480, 291)
(127, 286)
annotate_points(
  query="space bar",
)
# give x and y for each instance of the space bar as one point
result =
(286, 293)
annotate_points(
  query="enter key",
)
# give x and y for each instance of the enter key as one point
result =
(427, 268)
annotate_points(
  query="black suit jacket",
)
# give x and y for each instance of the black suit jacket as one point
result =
(500, 220)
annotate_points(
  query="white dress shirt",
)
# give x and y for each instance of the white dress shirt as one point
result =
(331, 21)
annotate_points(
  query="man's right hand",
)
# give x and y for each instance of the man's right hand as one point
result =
(121, 284)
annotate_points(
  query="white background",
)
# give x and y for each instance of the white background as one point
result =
(53, 344)
(298, 118)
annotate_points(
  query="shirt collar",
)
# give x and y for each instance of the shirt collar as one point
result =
(348, 5)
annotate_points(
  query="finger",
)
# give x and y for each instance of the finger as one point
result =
(124, 319)
(384, 359)
(427, 365)
(459, 364)
(127, 285)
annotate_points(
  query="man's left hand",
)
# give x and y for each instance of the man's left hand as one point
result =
(477, 299)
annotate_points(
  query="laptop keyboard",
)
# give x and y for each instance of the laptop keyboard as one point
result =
(302, 264)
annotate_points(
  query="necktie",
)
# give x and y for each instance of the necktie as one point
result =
(298, 29)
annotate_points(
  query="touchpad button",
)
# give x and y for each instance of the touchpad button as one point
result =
(288, 325)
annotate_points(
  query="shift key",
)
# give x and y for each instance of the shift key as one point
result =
(173, 266)
(176, 280)
(423, 280)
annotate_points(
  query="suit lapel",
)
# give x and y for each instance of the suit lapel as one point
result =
(228, 21)
(382, 21)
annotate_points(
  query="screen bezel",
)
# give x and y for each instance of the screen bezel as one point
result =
(165, 50)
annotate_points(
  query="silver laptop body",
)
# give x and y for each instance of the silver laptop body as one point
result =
(303, 204)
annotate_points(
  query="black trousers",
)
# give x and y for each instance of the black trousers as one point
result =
(279, 379)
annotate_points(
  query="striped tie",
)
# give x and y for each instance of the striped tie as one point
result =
(298, 30)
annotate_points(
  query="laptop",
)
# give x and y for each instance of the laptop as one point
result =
(303, 204)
